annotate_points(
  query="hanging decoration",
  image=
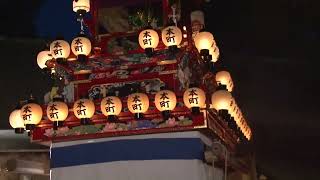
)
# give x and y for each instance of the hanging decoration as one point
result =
(108, 66)
(60, 50)
(16, 121)
(165, 102)
(84, 109)
(31, 113)
(138, 104)
(148, 40)
(57, 112)
(194, 98)
(111, 107)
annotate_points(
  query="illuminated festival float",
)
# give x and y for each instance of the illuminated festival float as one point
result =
(138, 95)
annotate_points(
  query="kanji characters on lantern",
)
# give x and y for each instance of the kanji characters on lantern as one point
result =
(171, 37)
(194, 98)
(60, 50)
(165, 102)
(138, 103)
(57, 112)
(111, 107)
(148, 40)
(31, 114)
(84, 109)
(81, 47)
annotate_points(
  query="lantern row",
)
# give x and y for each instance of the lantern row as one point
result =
(194, 98)
(148, 39)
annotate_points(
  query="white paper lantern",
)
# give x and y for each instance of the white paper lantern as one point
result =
(84, 109)
(60, 49)
(111, 106)
(148, 38)
(57, 111)
(171, 36)
(81, 6)
(42, 58)
(165, 100)
(81, 46)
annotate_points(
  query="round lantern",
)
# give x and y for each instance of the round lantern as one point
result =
(224, 80)
(57, 112)
(165, 102)
(81, 47)
(203, 41)
(148, 40)
(60, 50)
(84, 109)
(214, 52)
(16, 121)
(221, 101)
(42, 58)
(111, 107)
(31, 113)
(138, 103)
(171, 37)
(81, 6)
(194, 98)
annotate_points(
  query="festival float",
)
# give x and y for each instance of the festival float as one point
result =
(138, 95)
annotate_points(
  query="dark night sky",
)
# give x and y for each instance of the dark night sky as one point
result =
(270, 47)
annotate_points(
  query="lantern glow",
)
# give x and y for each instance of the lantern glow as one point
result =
(214, 52)
(84, 109)
(224, 78)
(203, 41)
(111, 106)
(81, 6)
(81, 47)
(221, 100)
(60, 49)
(171, 36)
(194, 98)
(42, 58)
(31, 113)
(138, 103)
(57, 111)
(148, 40)
(16, 121)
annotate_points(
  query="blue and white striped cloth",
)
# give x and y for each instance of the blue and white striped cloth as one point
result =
(176, 156)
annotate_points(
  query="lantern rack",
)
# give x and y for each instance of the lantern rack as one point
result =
(120, 61)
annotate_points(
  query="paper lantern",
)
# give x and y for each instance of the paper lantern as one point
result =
(42, 58)
(31, 113)
(165, 100)
(111, 106)
(57, 111)
(138, 103)
(16, 121)
(214, 52)
(84, 109)
(60, 49)
(148, 40)
(81, 45)
(194, 97)
(203, 41)
(81, 6)
(224, 78)
(171, 36)
(221, 100)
